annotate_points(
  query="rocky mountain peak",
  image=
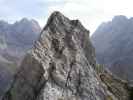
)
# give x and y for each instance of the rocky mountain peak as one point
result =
(60, 66)
(57, 19)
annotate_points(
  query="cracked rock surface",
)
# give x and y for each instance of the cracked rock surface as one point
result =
(60, 66)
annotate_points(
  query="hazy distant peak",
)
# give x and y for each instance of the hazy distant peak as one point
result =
(24, 20)
(3, 22)
(113, 42)
(119, 18)
(33, 21)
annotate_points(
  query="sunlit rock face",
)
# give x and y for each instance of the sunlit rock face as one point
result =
(60, 66)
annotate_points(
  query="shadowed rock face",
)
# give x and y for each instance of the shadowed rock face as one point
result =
(15, 40)
(113, 42)
(60, 66)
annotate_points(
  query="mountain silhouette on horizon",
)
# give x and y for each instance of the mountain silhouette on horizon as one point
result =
(15, 40)
(113, 42)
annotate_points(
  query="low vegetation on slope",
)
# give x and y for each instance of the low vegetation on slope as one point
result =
(121, 89)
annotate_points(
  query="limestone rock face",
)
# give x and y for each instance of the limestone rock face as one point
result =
(60, 66)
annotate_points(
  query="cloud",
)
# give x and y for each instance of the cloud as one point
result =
(93, 12)
(90, 12)
(12, 10)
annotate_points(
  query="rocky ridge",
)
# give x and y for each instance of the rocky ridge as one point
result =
(60, 66)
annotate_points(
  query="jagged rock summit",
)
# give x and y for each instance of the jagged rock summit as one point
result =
(60, 66)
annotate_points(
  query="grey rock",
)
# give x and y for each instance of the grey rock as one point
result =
(15, 40)
(113, 43)
(60, 66)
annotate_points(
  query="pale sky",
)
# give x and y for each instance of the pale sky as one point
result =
(90, 12)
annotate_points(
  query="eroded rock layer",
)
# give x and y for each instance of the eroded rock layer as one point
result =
(60, 66)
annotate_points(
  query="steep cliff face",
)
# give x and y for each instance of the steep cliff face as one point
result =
(60, 66)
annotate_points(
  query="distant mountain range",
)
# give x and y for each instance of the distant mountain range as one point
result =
(113, 41)
(18, 36)
(62, 66)
(15, 40)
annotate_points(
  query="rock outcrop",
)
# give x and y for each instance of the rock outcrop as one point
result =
(121, 89)
(60, 66)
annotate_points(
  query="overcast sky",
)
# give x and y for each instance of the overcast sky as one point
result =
(90, 12)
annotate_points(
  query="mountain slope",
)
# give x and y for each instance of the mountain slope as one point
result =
(16, 36)
(113, 42)
(15, 40)
(60, 66)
